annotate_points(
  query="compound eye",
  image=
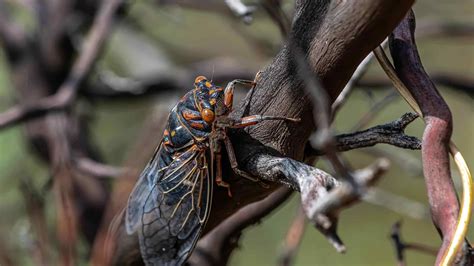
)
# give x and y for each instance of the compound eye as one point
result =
(199, 79)
(207, 115)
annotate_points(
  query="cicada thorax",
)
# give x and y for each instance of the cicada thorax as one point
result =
(190, 121)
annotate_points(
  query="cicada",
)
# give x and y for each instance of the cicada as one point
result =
(171, 201)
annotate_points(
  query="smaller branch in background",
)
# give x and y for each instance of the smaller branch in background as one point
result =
(397, 203)
(323, 212)
(401, 246)
(12, 36)
(6, 258)
(97, 169)
(241, 10)
(402, 159)
(450, 80)
(216, 247)
(35, 209)
(392, 133)
(432, 28)
(66, 94)
(277, 14)
(375, 109)
(358, 73)
(293, 239)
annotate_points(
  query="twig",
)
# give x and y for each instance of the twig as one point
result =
(396, 203)
(293, 239)
(444, 29)
(375, 109)
(67, 92)
(35, 210)
(391, 133)
(5, 254)
(358, 73)
(276, 13)
(450, 80)
(11, 34)
(409, 163)
(97, 169)
(401, 246)
(241, 10)
(323, 212)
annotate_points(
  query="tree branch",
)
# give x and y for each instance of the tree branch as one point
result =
(435, 154)
(293, 239)
(392, 133)
(401, 246)
(67, 92)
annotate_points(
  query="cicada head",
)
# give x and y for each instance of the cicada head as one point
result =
(211, 99)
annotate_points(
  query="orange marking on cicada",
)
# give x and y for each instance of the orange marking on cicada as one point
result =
(190, 116)
(199, 79)
(228, 99)
(197, 125)
(249, 121)
(207, 115)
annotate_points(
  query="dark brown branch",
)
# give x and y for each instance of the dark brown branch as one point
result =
(67, 92)
(216, 247)
(392, 133)
(435, 154)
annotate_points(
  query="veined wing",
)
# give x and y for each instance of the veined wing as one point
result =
(174, 207)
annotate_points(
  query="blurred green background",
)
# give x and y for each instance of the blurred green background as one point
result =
(182, 37)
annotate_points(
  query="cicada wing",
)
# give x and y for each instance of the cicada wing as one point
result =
(149, 176)
(175, 210)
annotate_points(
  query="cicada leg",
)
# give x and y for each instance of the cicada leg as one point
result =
(235, 166)
(219, 180)
(255, 119)
(229, 89)
(216, 157)
(244, 122)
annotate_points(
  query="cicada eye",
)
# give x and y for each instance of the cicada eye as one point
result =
(207, 115)
(199, 79)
